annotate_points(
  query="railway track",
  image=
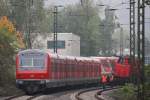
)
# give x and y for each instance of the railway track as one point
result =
(23, 97)
(78, 95)
(49, 94)
(65, 94)
(15, 96)
(98, 92)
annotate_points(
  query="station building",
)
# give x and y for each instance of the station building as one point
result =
(67, 43)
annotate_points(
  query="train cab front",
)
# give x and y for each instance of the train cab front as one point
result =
(32, 70)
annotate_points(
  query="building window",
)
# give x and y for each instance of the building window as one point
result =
(60, 44)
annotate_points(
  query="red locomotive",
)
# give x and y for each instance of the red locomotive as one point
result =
(36, 69)
(123, 70)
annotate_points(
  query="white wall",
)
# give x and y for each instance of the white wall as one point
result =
(72, 43)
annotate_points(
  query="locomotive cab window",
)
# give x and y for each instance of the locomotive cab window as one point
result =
(32, 61)
(120, 60)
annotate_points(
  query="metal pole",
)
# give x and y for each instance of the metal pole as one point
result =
(55, 28)
(121, 42)
(132, 37)
(141, 47)
(29, 24)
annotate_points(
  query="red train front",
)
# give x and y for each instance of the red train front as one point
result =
(122, 70)
(32, 69)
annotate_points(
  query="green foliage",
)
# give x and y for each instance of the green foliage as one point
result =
(8, 47)
(129, 91)
(147, 82)
(27, 14)
(147, 71)
(7, 52)
(107, 28)
(124, 93)
(4, 10)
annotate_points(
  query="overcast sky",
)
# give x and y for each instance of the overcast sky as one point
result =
(122, 13)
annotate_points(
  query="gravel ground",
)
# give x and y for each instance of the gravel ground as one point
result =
(59, 94)
(89, 95)
(106, 96)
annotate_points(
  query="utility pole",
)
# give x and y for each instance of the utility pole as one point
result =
(28, 5)
(132, 38)
(121, 41)
(55, 28)
(132, 30)
(141, 48)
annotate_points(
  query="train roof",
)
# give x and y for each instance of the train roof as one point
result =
(56, 56)
(105, 58)
(31, 50)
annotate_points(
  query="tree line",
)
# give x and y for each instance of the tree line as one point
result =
(31, 16)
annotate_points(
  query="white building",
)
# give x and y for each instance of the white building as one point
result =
(67, 44)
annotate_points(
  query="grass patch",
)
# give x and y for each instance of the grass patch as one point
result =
(125, 93)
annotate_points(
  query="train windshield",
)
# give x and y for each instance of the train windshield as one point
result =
(32, 61)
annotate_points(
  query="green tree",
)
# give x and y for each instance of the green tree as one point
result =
(28, 17)
(107, 29)
(83, 21)
(27, 14)
(4, 8)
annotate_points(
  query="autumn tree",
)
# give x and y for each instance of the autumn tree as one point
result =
(10, 42)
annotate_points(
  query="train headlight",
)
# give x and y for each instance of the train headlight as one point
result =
(20, 82)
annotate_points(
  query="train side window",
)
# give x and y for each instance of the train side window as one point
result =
(65, 69)
(120, 60)
(63, 65)
(58, 65)
(129, 60)
(53, 65)
(126, 60)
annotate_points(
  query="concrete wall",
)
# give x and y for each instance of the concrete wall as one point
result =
(72, 43)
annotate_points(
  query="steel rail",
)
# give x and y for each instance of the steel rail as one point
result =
(97, 95)
(77, 96)
(31, 97)
(15, 96)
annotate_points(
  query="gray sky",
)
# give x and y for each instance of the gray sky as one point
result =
(122, 13)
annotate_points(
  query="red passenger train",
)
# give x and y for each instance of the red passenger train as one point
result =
(37, 69)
